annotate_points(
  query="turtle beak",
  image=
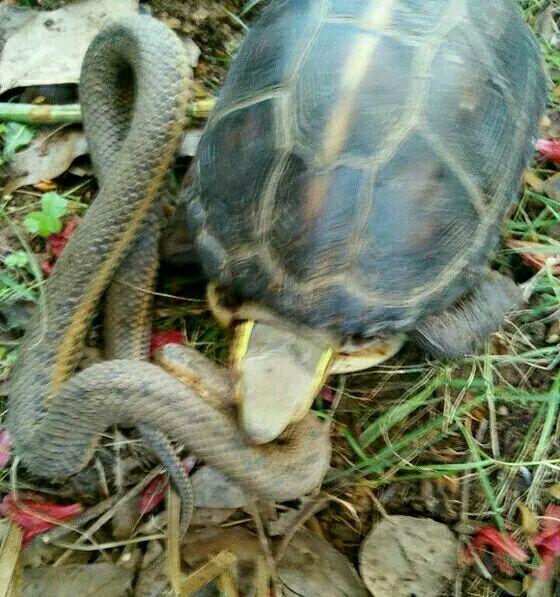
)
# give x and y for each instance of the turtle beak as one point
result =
(279, 374)
(375, 353)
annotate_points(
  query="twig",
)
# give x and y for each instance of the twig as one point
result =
(338, 394)
(173, 538)
(253, 510)
(377, 503)
(89, 514)
(262, 578)
(109, 544)
(208, 572)
(87, 535)
(9, 556)
(309, 509)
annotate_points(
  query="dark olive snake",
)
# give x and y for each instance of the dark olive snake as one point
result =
(57, 415)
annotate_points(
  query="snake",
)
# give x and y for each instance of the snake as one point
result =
(134, 89)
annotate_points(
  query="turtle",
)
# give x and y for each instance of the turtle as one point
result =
(350, 186)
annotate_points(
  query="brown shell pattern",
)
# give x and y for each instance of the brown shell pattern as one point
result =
(362, 156)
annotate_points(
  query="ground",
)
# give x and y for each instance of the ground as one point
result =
(472, 443)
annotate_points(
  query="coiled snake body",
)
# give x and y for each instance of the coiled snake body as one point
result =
(55, 415)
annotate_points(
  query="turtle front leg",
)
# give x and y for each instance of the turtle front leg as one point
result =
(465, 325)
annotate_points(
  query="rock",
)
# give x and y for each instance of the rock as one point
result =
(405, 556)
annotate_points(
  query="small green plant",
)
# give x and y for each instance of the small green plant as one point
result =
(16, 260)
(14, 137)
(48, 220)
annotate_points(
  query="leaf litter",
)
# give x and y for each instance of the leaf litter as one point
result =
(62, 35)
(409, 468)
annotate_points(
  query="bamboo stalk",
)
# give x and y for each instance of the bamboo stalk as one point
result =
(71, 113)
(208, 572)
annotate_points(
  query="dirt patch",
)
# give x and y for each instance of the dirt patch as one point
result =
(212, 25)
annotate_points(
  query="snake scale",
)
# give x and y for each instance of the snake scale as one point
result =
(55, 414)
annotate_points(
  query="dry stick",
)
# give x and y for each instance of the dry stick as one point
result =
(465, 498)
(72, 114)
(173, 543)
(102, 478)
(227, 582)
(63, 529)
(87, 535)
(338, 394)
(309, 510)
(9, 557)
(491, 402)
(262, 577)
(273, 571)
(208, 572)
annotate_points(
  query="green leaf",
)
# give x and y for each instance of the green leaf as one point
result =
(16, 136)
(54, 205)
(41, 223)
(17, 288)
(16, 259)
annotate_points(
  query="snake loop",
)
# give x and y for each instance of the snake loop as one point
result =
(134, 89)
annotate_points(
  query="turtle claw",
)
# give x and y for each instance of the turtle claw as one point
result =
(351, 359)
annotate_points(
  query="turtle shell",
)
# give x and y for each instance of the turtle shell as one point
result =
(362, 155)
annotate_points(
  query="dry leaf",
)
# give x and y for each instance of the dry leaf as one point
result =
(552, 186)
(312, 567)
(529, 522)
(62, 35)
(191, 49)
(97, 580)
(212, 489)
(49, 155)
(211, 517)
(546, 26)
(197, 547)
(405, 556)
(125, 519)
(45, 185)
(554, 491)
(510, 586)
(539, 587)
(536, 183)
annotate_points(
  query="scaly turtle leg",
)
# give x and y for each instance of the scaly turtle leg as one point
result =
(462, 329)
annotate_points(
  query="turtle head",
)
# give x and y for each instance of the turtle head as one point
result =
(280, 368)
(280, 371)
